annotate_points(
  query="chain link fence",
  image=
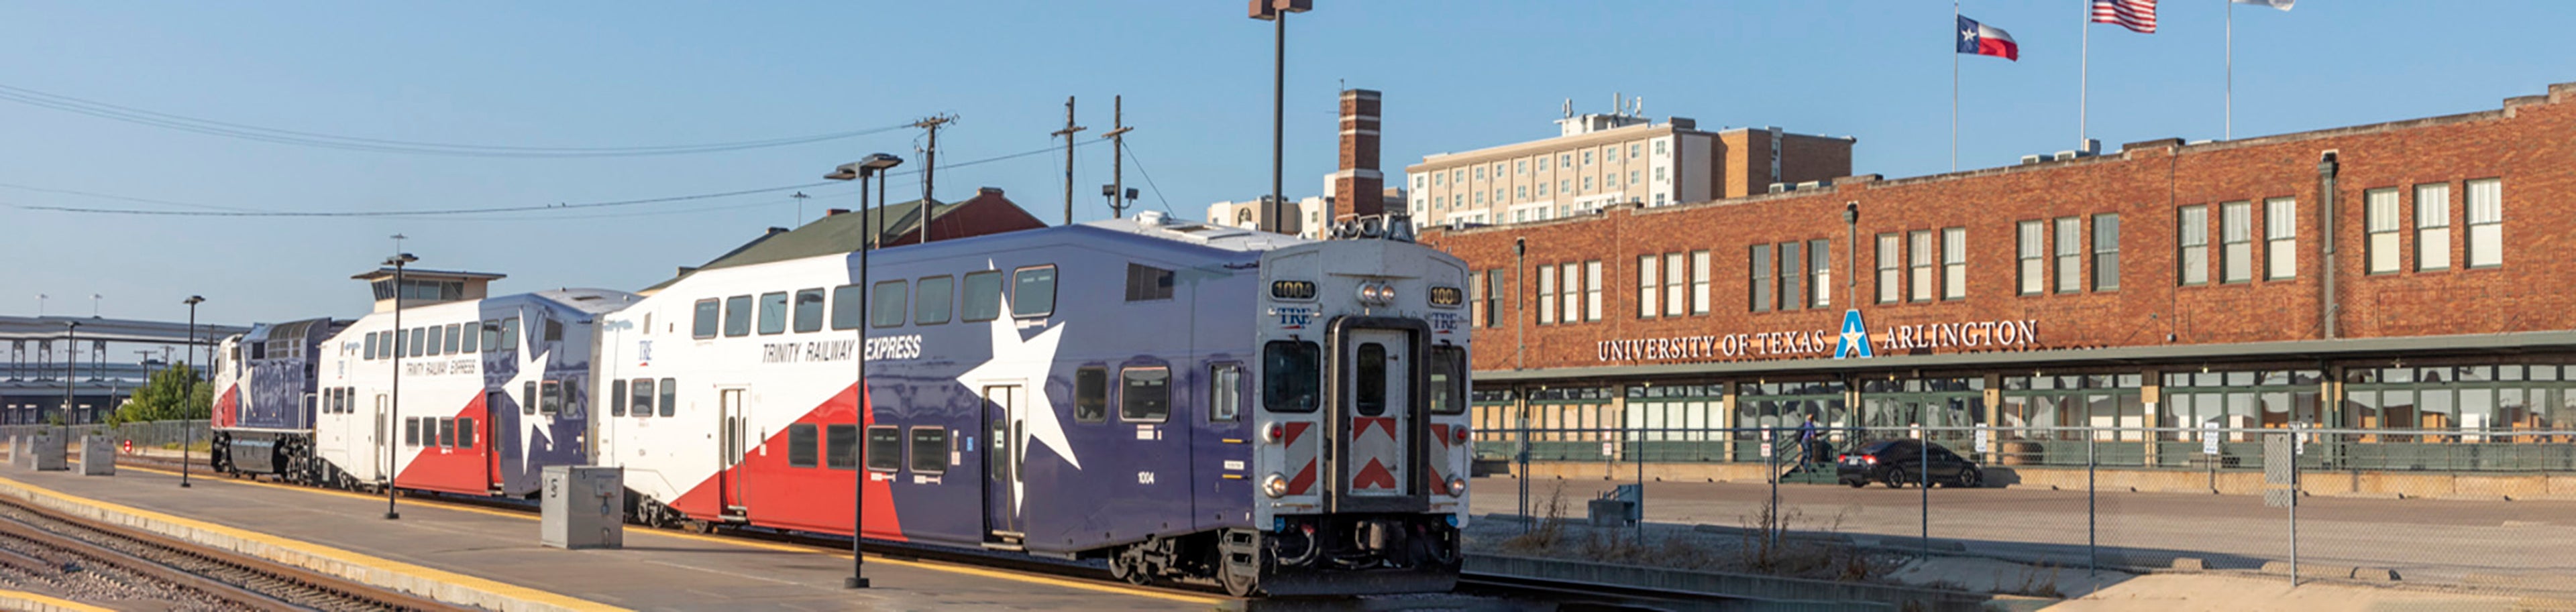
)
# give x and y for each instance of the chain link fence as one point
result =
(147, 434)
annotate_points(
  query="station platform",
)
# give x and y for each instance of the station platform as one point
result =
(440, 546)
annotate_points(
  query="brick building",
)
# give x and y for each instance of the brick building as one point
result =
(1599, 160)
(2409, 274)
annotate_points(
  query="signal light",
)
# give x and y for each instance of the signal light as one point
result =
(1458, 487)
(1273, 433)
(1274, 486)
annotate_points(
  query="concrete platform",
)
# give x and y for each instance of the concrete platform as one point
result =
(490, 558)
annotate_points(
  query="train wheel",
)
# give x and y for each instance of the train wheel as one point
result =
(1129, 565)
(1236, 584)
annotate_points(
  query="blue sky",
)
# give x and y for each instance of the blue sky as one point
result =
(1457, 76)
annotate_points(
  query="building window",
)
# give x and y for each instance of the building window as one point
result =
(1587, 184)
(2381, 206)
(1760, 291)
(1587, 158)
(1520, 193)
(1521, 167)
(1919, 252)
(1493, 297)
(1546, 294)
(1699, 282)
(1889, 287)
(1954, 263)
(1676, 280)
(1480, 173)
(1592, 290)
(1659, 147)
(2281, 238)
(2433, 227)
(1659, 175)
(1633, 150)
(1564, 185)
(2106, 252)
(1632, 177)
(1647, 282)
(1439, 179)
(1793, 275)
(2033, 260)
(2235, 242)
(2070, 254)
(2486, 223)
(1573, 292)
(1820, 260)
(2191, 230)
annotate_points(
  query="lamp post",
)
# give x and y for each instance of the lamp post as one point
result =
(189, 436)
(874, 165)
(1276, 12)
(71, 376)
(393, 407)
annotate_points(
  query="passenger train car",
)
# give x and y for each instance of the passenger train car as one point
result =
(492, 390)
(264, 396)
(1184, 401)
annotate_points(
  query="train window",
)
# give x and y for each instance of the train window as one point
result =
(809, 310)
(447, 433)
(800, 445)
(455, 340)
(369, 350)
(473, 337)
(491, 335)
(1289, 377)
(1090, 394)
(510, 334)
(773, 313)
(885, 307)
(429, 343)
(1033, 291)
(982, 298)
(737, 316)
(704, 326)
(465, 433)
(841, 447)
(670, 397)
(885, 449)
(419, 339)
(1225, 392)
(931, 302)
(259, 350)
(551, 400)
(1369, 379)
(643, 397)
(929, 450)
(617, 397)
(1147, 283)
(1145, 394)
(528, 397)
(554, 330)
(411, 431)
(845, 307)
(1448, 380)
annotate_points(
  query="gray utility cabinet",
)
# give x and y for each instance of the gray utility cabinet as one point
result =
(98, 454)
(582, 507)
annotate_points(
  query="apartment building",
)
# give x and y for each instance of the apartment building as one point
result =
(1597, 160)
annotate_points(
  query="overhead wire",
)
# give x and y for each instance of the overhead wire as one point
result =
(1149, 181)
(381, 145)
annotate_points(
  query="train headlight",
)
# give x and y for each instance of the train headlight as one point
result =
(1458, 487)
(1274, 486)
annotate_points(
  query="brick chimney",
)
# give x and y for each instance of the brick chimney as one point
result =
(1357, 185)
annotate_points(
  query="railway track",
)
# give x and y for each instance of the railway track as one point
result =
(81, 559)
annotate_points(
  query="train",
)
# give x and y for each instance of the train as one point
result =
(1179, 401)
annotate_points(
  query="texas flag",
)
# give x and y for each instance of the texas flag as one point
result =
(1981, 39)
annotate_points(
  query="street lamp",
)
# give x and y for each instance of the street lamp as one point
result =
(71, 375)
(1276, 12)
(874, 165)
(188, 436)
(393, 407)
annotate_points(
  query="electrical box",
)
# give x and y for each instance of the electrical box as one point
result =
(98, 454)
(583, 507)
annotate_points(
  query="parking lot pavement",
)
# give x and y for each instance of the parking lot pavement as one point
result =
(2428, 541)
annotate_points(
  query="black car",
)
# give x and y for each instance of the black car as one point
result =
(1901, 462)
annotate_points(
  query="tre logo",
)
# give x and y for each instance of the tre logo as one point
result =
(1291, 317)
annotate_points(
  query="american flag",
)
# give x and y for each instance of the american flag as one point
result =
(2136, 15)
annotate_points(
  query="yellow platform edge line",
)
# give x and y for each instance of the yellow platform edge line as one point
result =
(387, 565)
(22, 600)
(757, 544)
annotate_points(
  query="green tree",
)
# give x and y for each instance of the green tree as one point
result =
(166, 397)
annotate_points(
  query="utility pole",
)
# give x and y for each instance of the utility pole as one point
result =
(1117, 151)
(800, 209)
(1067, 133)
(929, 169)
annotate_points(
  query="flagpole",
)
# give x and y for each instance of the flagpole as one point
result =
(2230, 130)
(1954, 87)
(2084, 78)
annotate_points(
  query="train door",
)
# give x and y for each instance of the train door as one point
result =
(1379, 415)
(735, 439)
(384, 473)
(492, 441)
(1002, 464)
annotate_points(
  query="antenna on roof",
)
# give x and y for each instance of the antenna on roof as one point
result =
(1637, 106)
(1569, 108)
(1617, 101)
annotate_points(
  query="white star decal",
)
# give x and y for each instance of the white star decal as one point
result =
(1016, 361)
(532, 368)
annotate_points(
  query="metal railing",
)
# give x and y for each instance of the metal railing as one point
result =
(2228, 448)
(146, 434)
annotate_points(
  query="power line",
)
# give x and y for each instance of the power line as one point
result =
(1149, 181)
(221, 211)
(379, 145)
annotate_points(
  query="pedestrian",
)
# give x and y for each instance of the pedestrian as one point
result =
(1807, 436)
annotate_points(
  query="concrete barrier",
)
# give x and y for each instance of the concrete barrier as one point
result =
(1746, 586)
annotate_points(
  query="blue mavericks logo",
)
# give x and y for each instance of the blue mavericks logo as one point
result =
(1855, 337)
